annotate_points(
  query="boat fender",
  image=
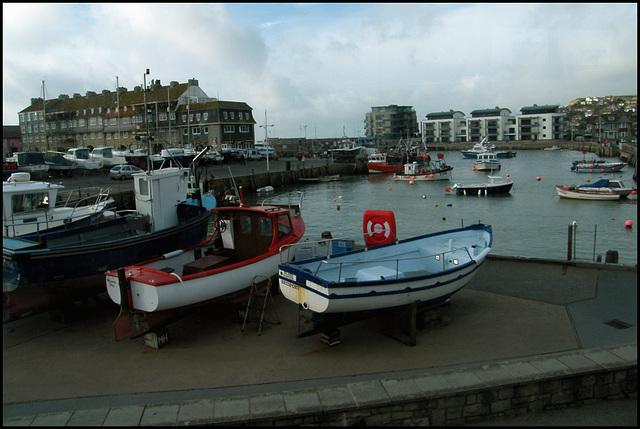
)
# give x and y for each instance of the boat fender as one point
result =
(379, 227)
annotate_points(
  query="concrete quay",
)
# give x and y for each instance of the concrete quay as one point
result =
(526, 339)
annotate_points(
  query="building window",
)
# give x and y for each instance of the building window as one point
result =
(229, 129)
(195, 131)
(205, 116)
(190, 117)
(185, 132)
(184, 117)
(244, 128)
(233, 116)
(197, 116)
(225, 115)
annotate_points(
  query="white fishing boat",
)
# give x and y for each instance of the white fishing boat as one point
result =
(426, 170)
(108, 156)
(29, 207)
(81, 156)
(478, 148)
(604, 189)
(247, 245)
(388, 273)
(487, 161)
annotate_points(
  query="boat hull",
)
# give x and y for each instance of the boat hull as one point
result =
(432, 176)
(363, 280)
(597, 195)
(598, 168)
(483, 189)
(383, 167)
(169, 291)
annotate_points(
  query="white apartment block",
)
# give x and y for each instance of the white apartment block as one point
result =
(498, 124)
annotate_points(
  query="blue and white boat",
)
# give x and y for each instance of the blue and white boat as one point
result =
(388, 273)
(478, 148)
(60, 267)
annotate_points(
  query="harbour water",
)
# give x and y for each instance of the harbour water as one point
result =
(531, 221)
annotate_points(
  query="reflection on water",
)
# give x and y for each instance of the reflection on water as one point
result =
(531, 221)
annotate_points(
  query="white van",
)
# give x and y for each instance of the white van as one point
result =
(250, 154)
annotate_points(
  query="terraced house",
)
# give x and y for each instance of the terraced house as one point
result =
(176, 115)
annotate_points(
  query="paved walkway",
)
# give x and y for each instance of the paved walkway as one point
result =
(75, 373)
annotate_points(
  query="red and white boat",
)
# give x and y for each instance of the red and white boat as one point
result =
(379, 163)
(246, 247)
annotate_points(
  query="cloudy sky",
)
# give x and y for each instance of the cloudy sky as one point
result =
(325, 65)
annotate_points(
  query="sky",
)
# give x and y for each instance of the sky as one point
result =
(315, 69)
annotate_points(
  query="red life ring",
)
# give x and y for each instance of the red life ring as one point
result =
(379, 227)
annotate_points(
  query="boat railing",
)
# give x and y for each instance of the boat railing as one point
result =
(294, 207)
(438, 262)
(12, 222)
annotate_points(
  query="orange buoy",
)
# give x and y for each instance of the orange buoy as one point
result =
(447, 189)
(474, 169)
(538, 178)
(588, 180)
(431, 175)
(389, 188)
(411, 182)
(628, 223)
(634, 192)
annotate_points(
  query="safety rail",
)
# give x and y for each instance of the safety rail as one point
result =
(439, 257)
(297, 207)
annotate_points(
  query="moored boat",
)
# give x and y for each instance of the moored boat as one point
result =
(597, 167)
(389, 273)
(496, 185)
(426, 170)
(246, 246)
(487, 161)
(481, 147)
(603, 189)
(59, 267)
(379, 163)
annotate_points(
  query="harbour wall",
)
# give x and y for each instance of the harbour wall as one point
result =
(448, 397)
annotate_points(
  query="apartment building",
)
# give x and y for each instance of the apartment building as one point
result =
(178, 114)
(498, 124)
(444, 127)
(387, 124)
(540, 123)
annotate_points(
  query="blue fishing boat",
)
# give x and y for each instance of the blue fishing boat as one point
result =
(387, 273)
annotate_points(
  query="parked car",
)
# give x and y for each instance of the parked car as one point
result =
(124, 171)
(303, 155)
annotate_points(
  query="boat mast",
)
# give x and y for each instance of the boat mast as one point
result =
(118, 107)
(146, 124)
(44, 117)
(169, 114)
(266, 136)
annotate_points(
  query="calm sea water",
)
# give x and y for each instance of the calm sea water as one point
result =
(532, 221)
